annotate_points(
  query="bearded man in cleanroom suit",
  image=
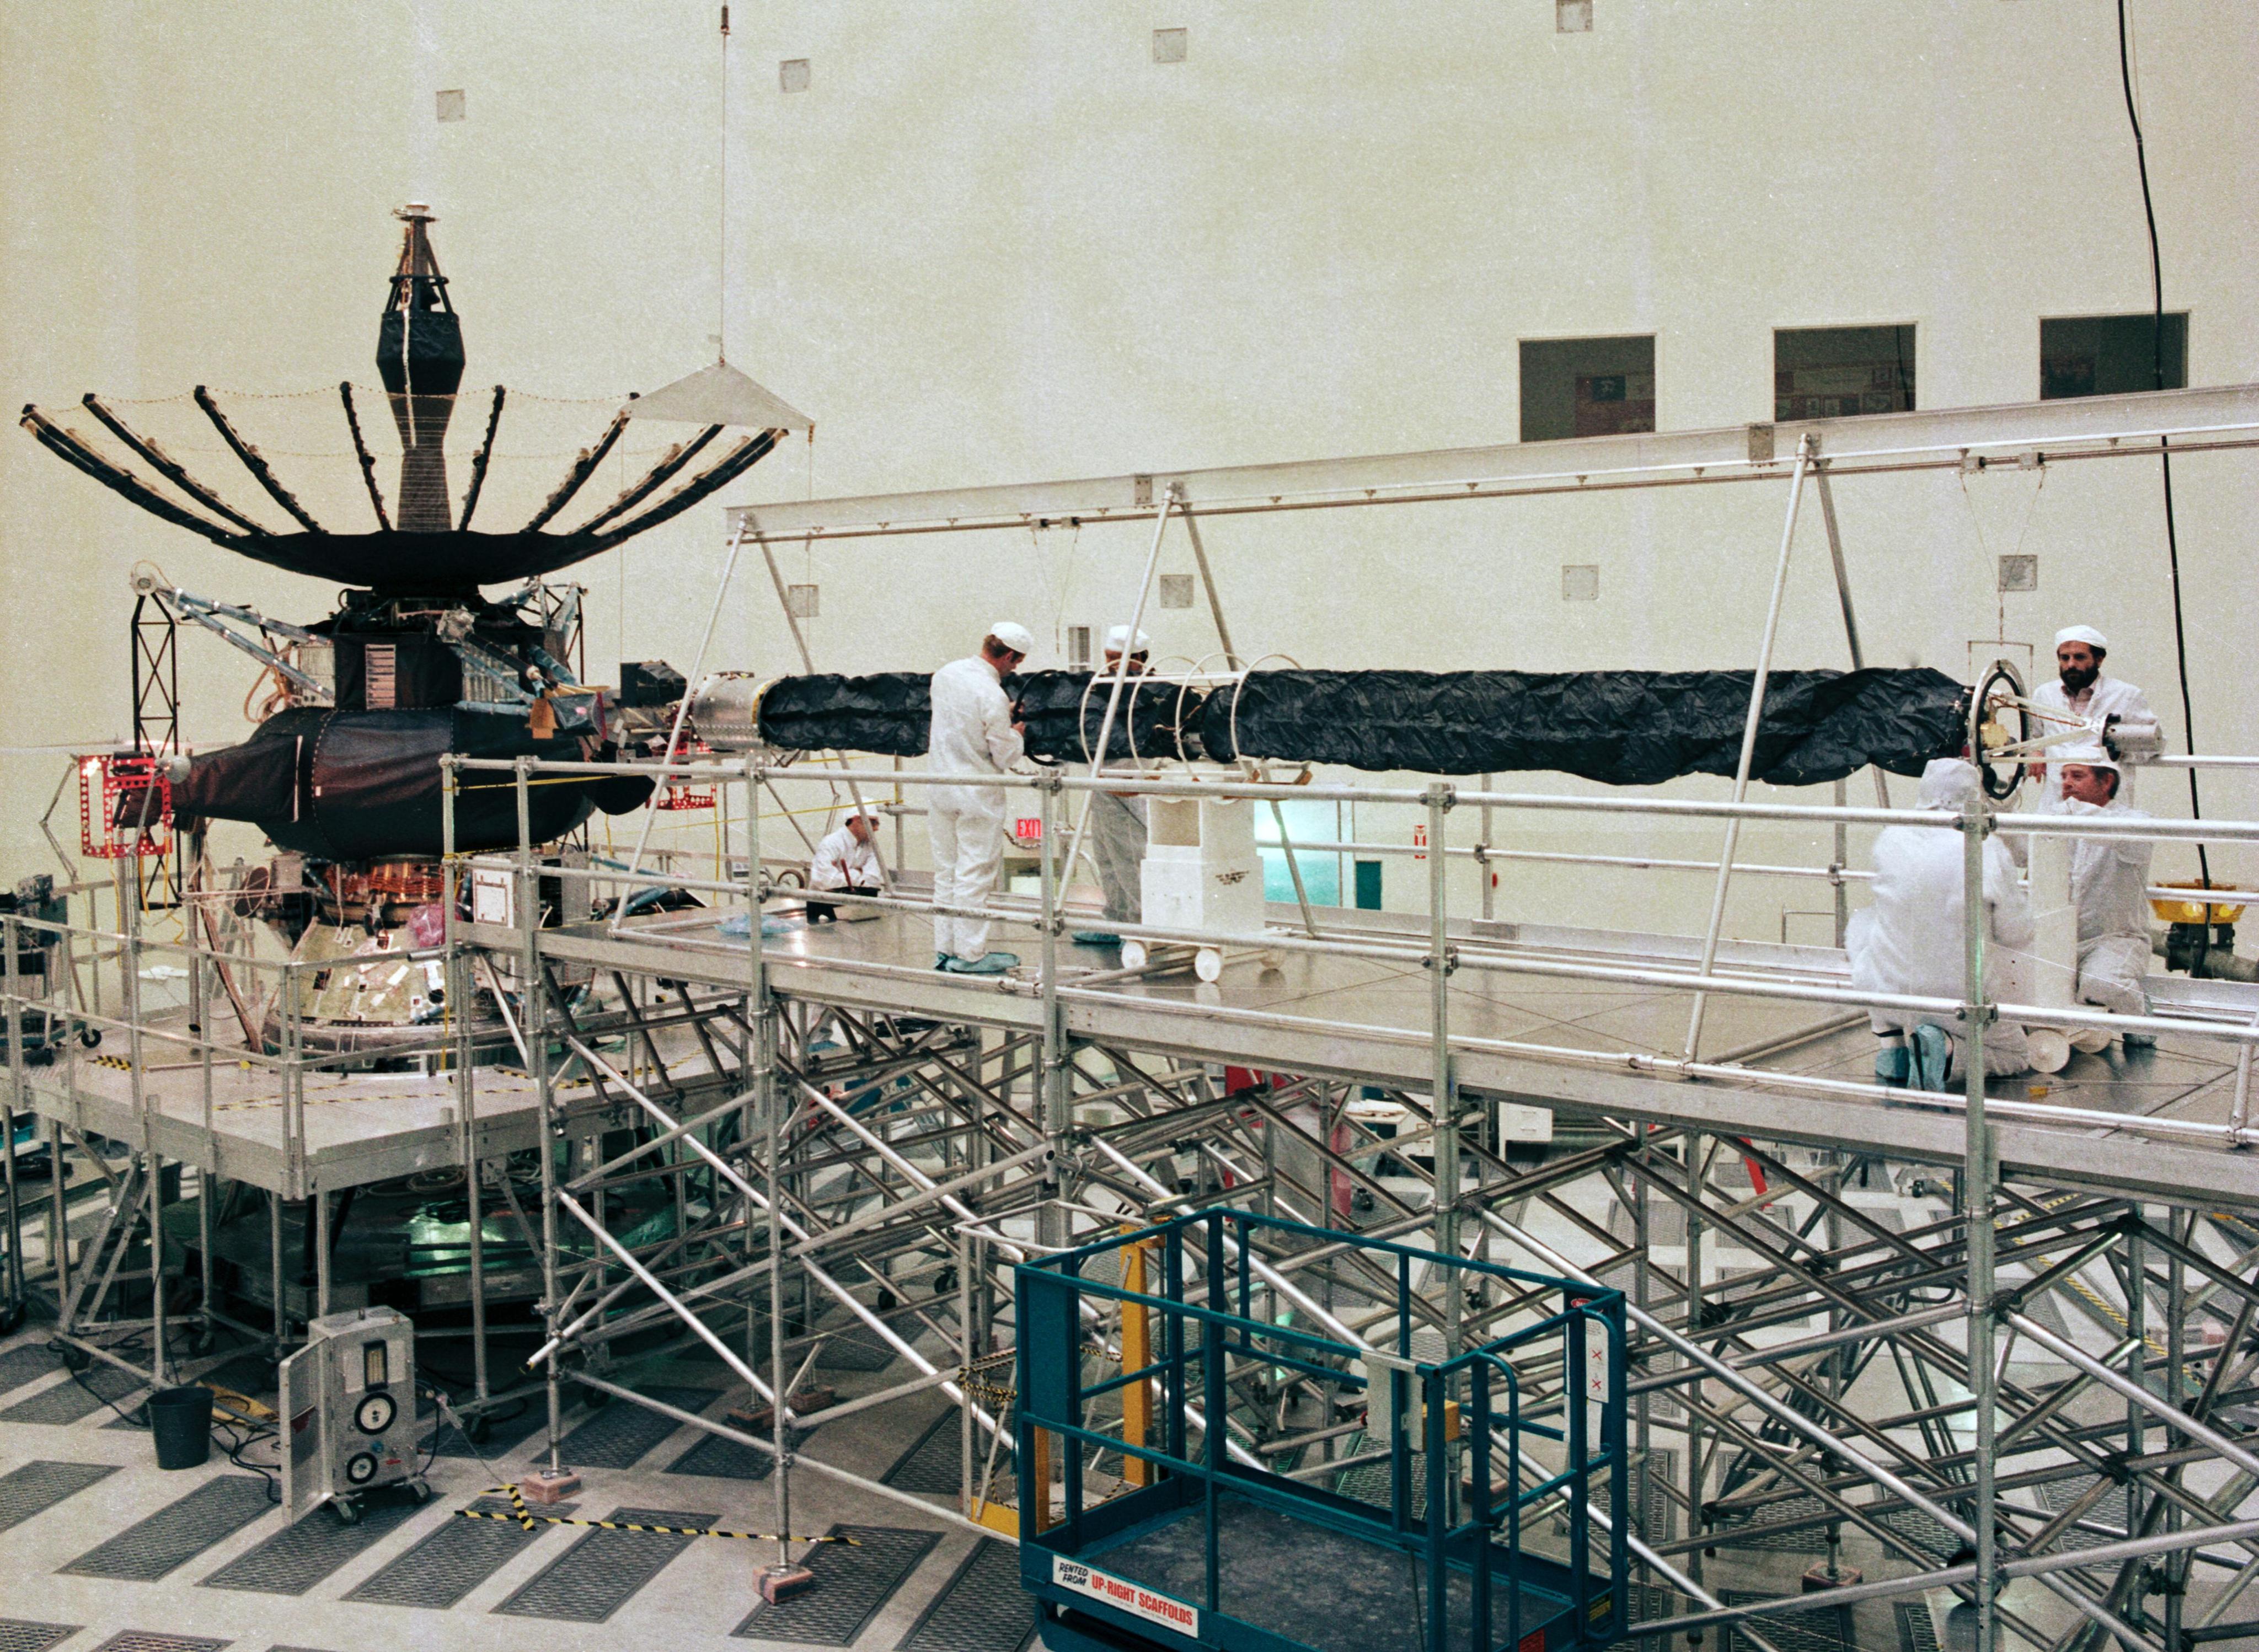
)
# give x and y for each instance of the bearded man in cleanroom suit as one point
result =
(1910, 940)
(2081, 693)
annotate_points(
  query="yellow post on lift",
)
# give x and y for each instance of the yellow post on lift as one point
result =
(1137, 1354)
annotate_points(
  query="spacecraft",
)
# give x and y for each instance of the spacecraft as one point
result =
(342, 773)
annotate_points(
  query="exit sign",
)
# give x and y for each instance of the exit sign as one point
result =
(1029, 830)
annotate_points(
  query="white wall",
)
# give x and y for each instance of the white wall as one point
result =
(996, 241)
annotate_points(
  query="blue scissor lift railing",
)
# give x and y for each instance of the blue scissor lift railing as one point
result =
(1215, 1553)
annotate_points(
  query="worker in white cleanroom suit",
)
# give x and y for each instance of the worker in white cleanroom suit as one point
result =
(2082, 692)
(1117, 822)
(2107, 876)
(1910, 939)
(843, 859)
(973, 733)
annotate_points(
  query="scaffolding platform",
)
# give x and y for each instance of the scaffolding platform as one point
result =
(1583, 1048)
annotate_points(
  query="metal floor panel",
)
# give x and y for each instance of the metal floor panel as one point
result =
(503, 1434)
(1826, 1629)
(598, 1575)
(857, 1349)
(19, 1365)
(852, 1584)
(69, 1401)
(721, 1459)
(299, 1556)
(981, 1608)
(177, 1533)
(39, 1485)
(1917, 1630)
(623, 1431)
(453, 1560)
(154, 1640)
(20, 1634)
(936, 1463)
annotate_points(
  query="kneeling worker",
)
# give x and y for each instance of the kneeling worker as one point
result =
(973, 735)
(845, 860)
(1910, 940)
(1117, 821)
(2107, 876)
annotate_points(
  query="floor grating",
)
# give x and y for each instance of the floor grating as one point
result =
(152, 1640)
(722, 1459)
(623, 1431)
(1825, 1629)
(299, 1556)
(982, 1608)
(39, 1485)
(452, 1561)
(178, 1533)
(2109, 1510)
(20, 1365)
(72, 1399)
(857, 1350)
(852, 1584)
(936, 1463)
(504, 1432)
(1917, 1630)
(598, 1575)
(20, 1634)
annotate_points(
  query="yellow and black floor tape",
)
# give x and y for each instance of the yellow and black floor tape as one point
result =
(526, 1517)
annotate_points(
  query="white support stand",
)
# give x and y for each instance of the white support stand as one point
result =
(1202, 871)
(2047, 974)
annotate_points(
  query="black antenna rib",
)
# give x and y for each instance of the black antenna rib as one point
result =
(583, 467)
(252, 462)
(71, 451)
(733, 465)
(168, 467)
(479, 463)
(361, 451)
(673, 460)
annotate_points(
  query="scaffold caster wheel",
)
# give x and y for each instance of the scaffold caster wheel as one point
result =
(478, 1429)
(2049, 1049)
(12, 1319)
(595, 1399)
(2092, 1040)
(1133, 954)
(1272, 960)
(201, 1342)
(348, 1511)
(1208, 964)
(418, 1494)
(91, 1036)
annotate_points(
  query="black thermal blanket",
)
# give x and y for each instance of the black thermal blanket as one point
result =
(1624, 728)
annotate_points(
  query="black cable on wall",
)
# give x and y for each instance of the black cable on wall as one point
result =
(2165, 456)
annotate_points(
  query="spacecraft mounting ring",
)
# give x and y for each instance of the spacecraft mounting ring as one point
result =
(2003, 676)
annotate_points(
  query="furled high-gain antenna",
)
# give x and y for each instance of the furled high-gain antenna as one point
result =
(419, 356)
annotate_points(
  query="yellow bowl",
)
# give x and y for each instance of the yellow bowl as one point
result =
(2195, 911)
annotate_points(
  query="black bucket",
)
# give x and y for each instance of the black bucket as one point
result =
(179, 1421)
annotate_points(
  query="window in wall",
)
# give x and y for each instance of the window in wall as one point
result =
(1587, 387)
(1176, 590)
(2110, 355)
(1307, 824)
(1833, 372)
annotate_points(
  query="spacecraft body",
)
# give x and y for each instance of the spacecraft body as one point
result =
(343, 773)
